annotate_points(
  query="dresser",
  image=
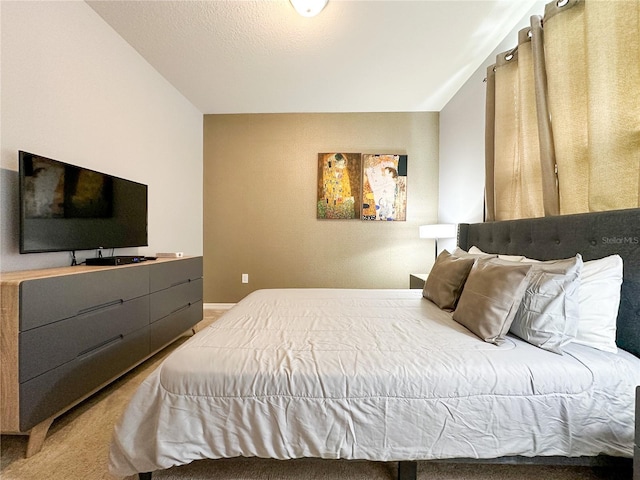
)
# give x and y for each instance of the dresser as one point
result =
(67, 332)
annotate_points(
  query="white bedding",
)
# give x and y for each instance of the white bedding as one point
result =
(370, 374)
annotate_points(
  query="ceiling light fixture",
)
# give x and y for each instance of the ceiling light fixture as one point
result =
(308, 8)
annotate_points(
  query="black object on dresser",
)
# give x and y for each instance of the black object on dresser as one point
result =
(68, 332)
(119, 260)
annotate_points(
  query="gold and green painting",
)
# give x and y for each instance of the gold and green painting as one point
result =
(384, 189)
(339, 185)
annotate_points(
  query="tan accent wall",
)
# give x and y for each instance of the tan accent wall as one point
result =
(260, 189)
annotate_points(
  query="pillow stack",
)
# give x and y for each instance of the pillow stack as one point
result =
(548, 304)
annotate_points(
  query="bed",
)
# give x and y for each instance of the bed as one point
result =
(387, 375)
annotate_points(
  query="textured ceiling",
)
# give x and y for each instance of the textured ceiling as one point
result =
(355, 56)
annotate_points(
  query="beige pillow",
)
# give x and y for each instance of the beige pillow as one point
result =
(491, 297)
(446, 280)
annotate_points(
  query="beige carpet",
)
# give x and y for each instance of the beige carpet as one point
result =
(78, 442)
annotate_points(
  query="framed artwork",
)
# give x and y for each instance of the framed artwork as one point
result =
(339, 185)
(384, 187)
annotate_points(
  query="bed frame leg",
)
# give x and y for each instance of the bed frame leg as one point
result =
(144, 476)
(407, 470)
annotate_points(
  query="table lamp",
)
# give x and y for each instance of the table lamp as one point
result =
(438, 231)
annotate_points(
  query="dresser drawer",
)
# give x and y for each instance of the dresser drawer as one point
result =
(172, 299)
(174, 272)
(47, 347)
(168, 328)
(53, 391)
(49, 300)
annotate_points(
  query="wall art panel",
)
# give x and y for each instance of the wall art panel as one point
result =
(384, 190)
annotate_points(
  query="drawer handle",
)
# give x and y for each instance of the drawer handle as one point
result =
(180, 282)
(101, 345)
(101, 306)
(184, 307)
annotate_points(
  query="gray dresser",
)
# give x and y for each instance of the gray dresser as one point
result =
(67, 332)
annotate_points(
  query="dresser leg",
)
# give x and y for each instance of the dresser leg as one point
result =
(37, 435)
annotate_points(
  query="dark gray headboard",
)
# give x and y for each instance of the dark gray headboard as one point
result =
(593, 235)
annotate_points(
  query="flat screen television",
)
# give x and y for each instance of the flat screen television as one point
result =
(64, 207)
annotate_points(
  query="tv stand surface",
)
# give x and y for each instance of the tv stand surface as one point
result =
(69, 331)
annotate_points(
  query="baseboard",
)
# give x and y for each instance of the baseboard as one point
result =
(217, 306)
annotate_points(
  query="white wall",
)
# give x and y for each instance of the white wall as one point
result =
(75, 91)
(461, 176)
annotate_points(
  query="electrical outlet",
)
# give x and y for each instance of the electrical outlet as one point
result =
(245, 278)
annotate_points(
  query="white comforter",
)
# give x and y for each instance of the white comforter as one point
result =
(370, 374)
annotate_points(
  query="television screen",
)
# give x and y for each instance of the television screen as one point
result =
(64, 207)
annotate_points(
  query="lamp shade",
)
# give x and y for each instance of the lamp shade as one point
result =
(439, 230)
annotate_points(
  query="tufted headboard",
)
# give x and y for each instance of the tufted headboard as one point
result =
(593, 235)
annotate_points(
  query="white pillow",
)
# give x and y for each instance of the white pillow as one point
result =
(458, 252)
(549, 312)
(512, 258)
(598, 302)
(599, 297)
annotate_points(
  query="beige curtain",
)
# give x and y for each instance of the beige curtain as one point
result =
(517, 183)
(580, 80)
(489, 148)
